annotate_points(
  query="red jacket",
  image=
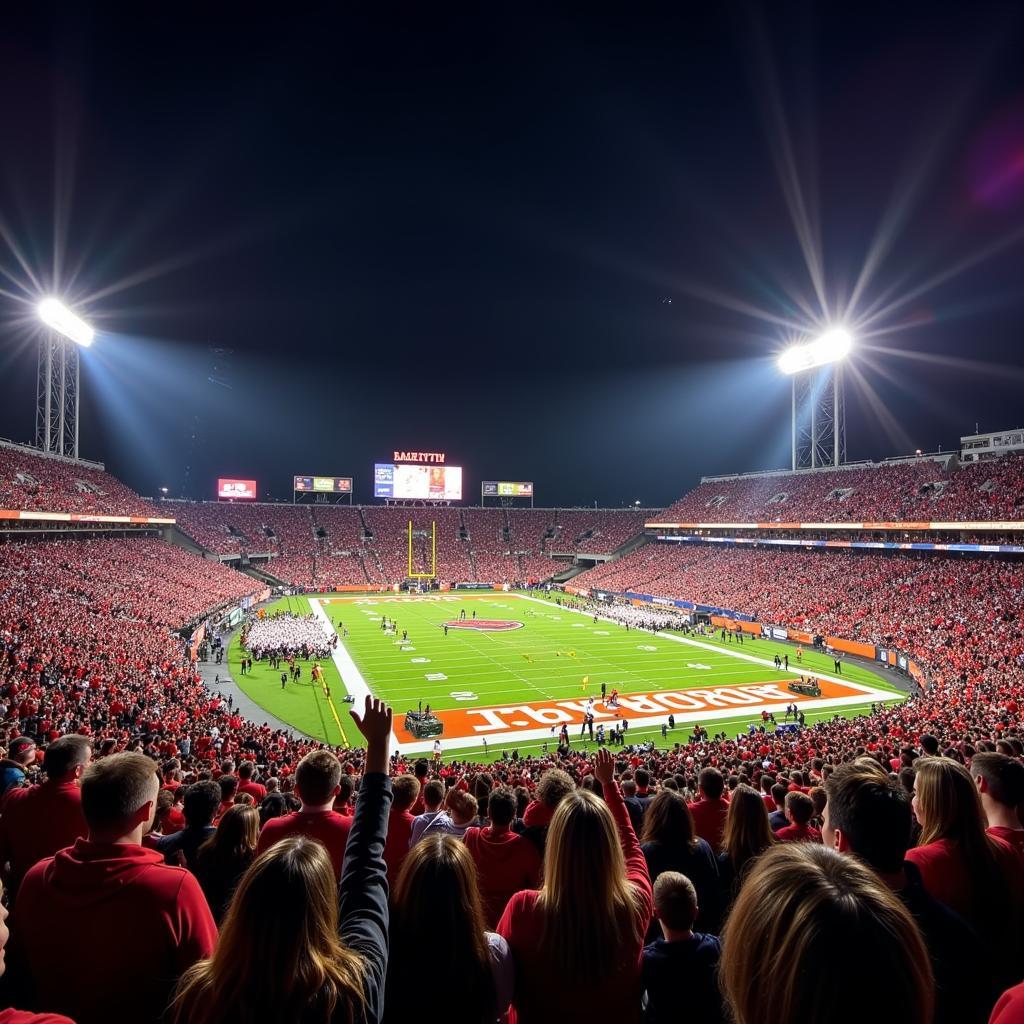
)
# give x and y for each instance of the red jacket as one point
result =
(255, 789)
(542, 994)
(105, 930)
(328, 828)
(1009, 1009)
(798, 834)
(709, 820)
(505, 864)
(396, 847)
(24, 1017)
(37, 822)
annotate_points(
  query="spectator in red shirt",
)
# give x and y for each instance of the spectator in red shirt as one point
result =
(107, 916)
(317, 783)
(1000, 782)
(405, 788)
(226, 856)
(806, 921)
(799, 811)
(40, 820)
(710, 810)
(421, 769)
(505, 862)
(228, 790)
(552, 787)
(436, 905)
(971, 872)
(1010, 1008)
(577, 941)
(246, 785)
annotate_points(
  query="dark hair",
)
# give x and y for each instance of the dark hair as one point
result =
(1004, 777)
(501, 806)
(116, 787)
(201, 802)
(228, 786)
(405, 789)
(800, 807)
(245, 770)
(873, 813)
(63, 755)
(711, 783)
(317, 777)
(675, 900)
(668, 820)
(433, 793)
(643, 778)
(275, 805)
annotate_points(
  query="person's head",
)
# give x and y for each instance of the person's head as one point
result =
(668, 820)
(710, 783)
(346, 790)
(227, 766)
(501, 807)
(202, 800)
(643, 778)
(799, 808)
(462, 806)
(436, 905)
(868, 813)
(421, 769)
(818, 800)
(433, 794)
(228, 787)
(930, 745)
(588, 908)
(22, 750)
(553, 787)
(237, 833)
(628, 787)
(65, 759)
(274, 806)
(946, 801)
(806, 921)
(675, 904)
(245, 770)
(405, 789)
(119, 797)
(1000, 780)
(747, 829)
(317, 779)
(279, 952)
(779, 795)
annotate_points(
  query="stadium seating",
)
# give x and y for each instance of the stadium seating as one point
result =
(40, 483)
(913, 491)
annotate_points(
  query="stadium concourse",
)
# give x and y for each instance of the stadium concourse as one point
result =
(133, 796)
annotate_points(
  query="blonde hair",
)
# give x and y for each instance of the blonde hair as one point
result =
(589, 908)
(808, 919)
(279, 956)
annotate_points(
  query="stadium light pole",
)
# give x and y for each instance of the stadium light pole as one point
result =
(59, 376)
(818, 406)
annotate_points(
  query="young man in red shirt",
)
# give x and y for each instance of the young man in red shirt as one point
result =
(710, 810)
(40, 820)
(105, 928)
(505, 862)
(246, 785)
(405, 789)
(1000, 782)
(799, 811)
(317, 783)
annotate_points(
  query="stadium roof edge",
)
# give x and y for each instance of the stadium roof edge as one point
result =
(31, 450)
(943, 457)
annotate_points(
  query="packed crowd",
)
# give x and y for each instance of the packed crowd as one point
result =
(41, 483)
(287, 634)
(915, 491)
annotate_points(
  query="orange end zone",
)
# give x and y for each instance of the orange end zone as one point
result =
(465, 723)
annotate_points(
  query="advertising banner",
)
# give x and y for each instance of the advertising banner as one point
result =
(234, 490)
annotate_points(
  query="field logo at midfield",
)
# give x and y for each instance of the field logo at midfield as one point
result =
(485, 625)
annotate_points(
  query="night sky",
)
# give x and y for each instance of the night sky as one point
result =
(557, 247)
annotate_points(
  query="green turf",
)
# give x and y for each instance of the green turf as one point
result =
(545, 660)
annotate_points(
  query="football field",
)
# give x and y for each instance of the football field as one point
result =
(510, 669)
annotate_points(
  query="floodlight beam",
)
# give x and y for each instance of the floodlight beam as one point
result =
(59, 318)
(818, 408)
(831, 347)
(59, 378)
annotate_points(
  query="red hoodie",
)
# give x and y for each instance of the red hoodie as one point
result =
(24, 1017)
(37, 822)
(505, 863)
(103, 931)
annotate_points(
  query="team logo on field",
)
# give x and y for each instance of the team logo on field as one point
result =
(485, 625)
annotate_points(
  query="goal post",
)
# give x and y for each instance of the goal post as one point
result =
(432, 574)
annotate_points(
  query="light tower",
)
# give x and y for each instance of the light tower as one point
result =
(819, 409)
(57, 383)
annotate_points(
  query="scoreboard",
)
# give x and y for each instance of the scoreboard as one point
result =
(417, 482)
(507, 489)
(323, 484)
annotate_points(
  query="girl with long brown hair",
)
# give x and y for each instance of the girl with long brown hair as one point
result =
(436, 906)
(748, 833)
(577, 940)
(806, 922)
(670, 843)
(226, 855)
(287, 951)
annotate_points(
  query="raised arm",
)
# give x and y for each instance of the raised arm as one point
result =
(363, 906)
(636, 864)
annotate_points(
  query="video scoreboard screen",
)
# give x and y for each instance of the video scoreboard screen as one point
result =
(507, 489)
(235, 489)
(323, 484)
(417, 483)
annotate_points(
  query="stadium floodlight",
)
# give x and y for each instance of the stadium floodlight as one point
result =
(834, 345)
(55, 314)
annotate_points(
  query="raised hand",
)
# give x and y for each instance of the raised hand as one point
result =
(604, 766)
(375, 725)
